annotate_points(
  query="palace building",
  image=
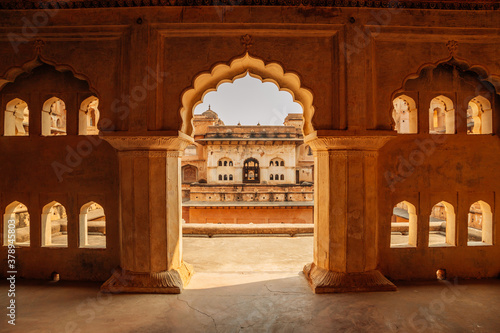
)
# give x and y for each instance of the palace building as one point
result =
(230, 169)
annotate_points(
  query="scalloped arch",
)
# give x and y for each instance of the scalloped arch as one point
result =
(239, 67)
(12, 73)
(481, 71)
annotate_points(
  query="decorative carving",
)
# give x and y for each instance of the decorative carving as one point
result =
(150, 153)
(452, 46)
(413, 4)
(166, 282)
(39, 44)
(321, 153)
(324, 281)
(146, 143)
(349, 142)
(246, 41)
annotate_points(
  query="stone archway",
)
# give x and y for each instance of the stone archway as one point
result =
(239, 67)
(150, 176)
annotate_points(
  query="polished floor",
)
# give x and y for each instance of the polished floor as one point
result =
(255, 284)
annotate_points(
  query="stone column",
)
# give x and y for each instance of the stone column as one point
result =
(346, 215)
(150, 215)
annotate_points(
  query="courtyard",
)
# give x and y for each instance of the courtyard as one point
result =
(255, 284)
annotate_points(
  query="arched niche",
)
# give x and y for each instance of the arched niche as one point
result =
(449, 76)
(189, 173)
(45, 78)
(238, 68)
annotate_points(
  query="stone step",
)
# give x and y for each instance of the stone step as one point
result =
(210, 230)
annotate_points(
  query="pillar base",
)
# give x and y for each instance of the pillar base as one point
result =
(167, 282)
(323, 281)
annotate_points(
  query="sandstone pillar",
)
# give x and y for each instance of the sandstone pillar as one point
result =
(150, 216)
(345, 215)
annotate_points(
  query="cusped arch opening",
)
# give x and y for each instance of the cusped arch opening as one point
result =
(238, 68)
(18, 72)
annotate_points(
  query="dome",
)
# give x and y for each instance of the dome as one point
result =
(210, 114)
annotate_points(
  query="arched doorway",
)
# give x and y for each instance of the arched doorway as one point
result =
(251, 171)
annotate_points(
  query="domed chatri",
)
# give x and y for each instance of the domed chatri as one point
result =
(210, 114)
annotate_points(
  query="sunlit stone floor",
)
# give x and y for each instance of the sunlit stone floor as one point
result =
(254, 284)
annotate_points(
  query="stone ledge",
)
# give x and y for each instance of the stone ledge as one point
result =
(247, 229)
(165, 282)
(323, 281)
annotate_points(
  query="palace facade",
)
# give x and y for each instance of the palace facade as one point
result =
(231, 169)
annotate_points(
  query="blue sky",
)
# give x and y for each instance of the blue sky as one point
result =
(249, 101)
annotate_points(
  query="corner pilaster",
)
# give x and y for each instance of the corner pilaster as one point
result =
(150, 215)
(345, 250)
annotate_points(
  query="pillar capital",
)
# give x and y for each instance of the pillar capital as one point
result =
(145, 143)
(349, 142)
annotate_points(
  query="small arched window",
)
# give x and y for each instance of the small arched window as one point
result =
(225, 177)
(89, 116)
(442, 226)
(276, 162)
(225, 162)
(54, 117)
(17, 217)
(276, 176)
(92, 226)
(220, 177)
(54, 225)
(404, 225)
(441, 116)
(230, 177)
(271, 177)
(405, 115)
(16, 118)
(479, 116)
(282, 177)
(480, 224)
